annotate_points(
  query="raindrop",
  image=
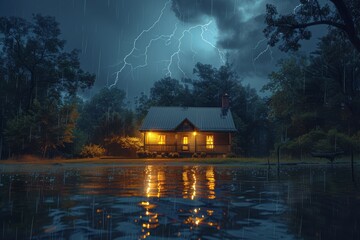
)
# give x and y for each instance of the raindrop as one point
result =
(85, 7)
(99, 64)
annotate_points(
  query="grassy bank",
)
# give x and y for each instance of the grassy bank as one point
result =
(171, 161)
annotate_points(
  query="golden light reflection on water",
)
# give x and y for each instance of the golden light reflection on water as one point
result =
(149, 220)
(189, 179)
(210, 177)
(156, 181)
(196, 183)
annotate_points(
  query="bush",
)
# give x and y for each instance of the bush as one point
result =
(195, 155)
(141, 154)
(174, 155)
(146, 154)
(92, 150)
(203, 154)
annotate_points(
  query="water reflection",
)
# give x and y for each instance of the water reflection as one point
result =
(154, 181)
(210, 177)
(191, 202)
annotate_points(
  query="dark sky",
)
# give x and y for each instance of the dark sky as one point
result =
(171, 37)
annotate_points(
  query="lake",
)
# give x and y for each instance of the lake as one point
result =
(179, 202)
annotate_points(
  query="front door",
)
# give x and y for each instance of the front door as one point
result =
(185, 144)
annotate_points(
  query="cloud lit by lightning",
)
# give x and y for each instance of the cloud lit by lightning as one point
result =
(176, 54)
(175, 57)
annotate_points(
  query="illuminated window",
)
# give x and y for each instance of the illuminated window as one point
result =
(210, 141)
(161, 139)
(185, 142)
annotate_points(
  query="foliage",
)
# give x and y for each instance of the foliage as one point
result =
(142, 104)
(167, 92)
(105, 115)
(206, 90)
(45, 128)
(174, 155)
(195, 155)
(128, 142)
(92, 150)
(146, 154)
(320, 91)
(39, 81)
(342, 16)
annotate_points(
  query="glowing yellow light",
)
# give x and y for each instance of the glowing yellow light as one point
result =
(162, 139)
(210, 141)
(194, 133)
(185, 140)
(144, 203)
(210, 177)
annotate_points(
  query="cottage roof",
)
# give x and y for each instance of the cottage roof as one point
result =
(203, 119)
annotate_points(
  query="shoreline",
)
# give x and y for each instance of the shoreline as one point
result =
(128, 162)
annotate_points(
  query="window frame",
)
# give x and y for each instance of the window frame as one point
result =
(161, 139)
(209, 141)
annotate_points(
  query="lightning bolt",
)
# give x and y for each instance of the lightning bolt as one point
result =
(204, 28)
(167, 39)
(125, 62)
(221, 53)
(176, 54)
(267, 49)
(299, 6)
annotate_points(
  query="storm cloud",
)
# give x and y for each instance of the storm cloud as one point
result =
(105, 32)
(240, 24)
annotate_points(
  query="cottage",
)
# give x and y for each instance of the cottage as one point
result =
(188, 130)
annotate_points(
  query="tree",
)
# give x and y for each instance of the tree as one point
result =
(36, 73)
(142, 105)
(167, 92)
(342, 15)
(319, 92)
(105, 116)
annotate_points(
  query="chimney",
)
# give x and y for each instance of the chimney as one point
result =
(225, 104)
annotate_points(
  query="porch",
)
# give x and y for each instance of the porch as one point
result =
(160, 148)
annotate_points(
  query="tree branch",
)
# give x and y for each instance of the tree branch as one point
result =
(305, 25)
(348, 23)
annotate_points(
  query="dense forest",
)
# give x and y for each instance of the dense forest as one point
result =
(311, 101)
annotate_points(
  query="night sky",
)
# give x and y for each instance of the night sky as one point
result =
(172, 36)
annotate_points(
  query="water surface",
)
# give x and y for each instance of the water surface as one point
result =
(179, 202)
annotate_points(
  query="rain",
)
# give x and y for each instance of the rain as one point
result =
(179, 119)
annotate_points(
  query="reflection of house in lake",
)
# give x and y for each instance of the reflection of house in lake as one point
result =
(188, 130)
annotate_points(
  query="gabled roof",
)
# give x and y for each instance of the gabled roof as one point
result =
(203, 118)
